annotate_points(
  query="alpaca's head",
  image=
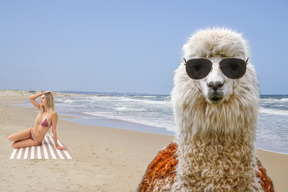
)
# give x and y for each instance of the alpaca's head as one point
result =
(209, 89)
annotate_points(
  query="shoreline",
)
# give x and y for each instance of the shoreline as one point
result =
(106, 159)
(81, 116)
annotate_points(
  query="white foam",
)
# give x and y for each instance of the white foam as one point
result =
(274, 101)
(273, 111)
(128, 109)
(68, 101)
(284, 100)
(160, 122)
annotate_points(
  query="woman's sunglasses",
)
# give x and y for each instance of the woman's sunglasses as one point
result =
(231, 67)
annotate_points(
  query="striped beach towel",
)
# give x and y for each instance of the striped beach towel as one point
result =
(45, 151)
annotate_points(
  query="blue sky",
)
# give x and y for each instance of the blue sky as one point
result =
(129, 46)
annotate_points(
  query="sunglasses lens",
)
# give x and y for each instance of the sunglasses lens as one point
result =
(198, 68)
(233, 68)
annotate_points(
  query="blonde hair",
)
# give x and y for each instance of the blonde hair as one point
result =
(50, 106)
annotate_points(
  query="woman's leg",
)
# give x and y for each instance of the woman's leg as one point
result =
(20, 135)
(22, 139)
(24, 143)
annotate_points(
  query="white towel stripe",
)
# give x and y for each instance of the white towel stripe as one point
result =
(58, 151)
(19, 153)
(32, 152)
(38, 153)
(50, 148)
(26, 152)
(68, 156)
(13, 153)
(45, 150)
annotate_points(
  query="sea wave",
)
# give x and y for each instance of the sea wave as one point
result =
(154, 122)
(156, 111)
(128, 109)
(273, 111)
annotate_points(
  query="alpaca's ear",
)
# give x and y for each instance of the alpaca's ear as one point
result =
(184, 61)
(247, 60)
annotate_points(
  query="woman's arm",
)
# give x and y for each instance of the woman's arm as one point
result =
(54, 125)
(33, 98)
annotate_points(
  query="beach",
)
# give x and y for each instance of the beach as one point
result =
(104, 159)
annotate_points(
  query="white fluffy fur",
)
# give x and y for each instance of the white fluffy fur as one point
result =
(216, 141)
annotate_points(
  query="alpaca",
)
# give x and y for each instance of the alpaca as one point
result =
(215, 111)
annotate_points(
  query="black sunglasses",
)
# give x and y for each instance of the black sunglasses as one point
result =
(231, 67)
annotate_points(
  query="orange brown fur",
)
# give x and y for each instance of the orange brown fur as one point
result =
(265, 180)
(163, 169)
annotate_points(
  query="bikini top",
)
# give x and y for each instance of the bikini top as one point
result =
(45, 123)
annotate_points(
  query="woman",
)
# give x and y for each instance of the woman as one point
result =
(46, 118)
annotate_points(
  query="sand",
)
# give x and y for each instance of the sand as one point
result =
(105, 159)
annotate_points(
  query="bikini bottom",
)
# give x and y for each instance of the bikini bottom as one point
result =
(32, 138)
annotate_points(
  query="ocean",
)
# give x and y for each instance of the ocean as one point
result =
(153, 114)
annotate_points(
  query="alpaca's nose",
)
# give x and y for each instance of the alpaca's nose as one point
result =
(215, 79)
(215, 84)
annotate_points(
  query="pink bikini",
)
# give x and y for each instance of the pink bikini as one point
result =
(44, 123)
(31, 137)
